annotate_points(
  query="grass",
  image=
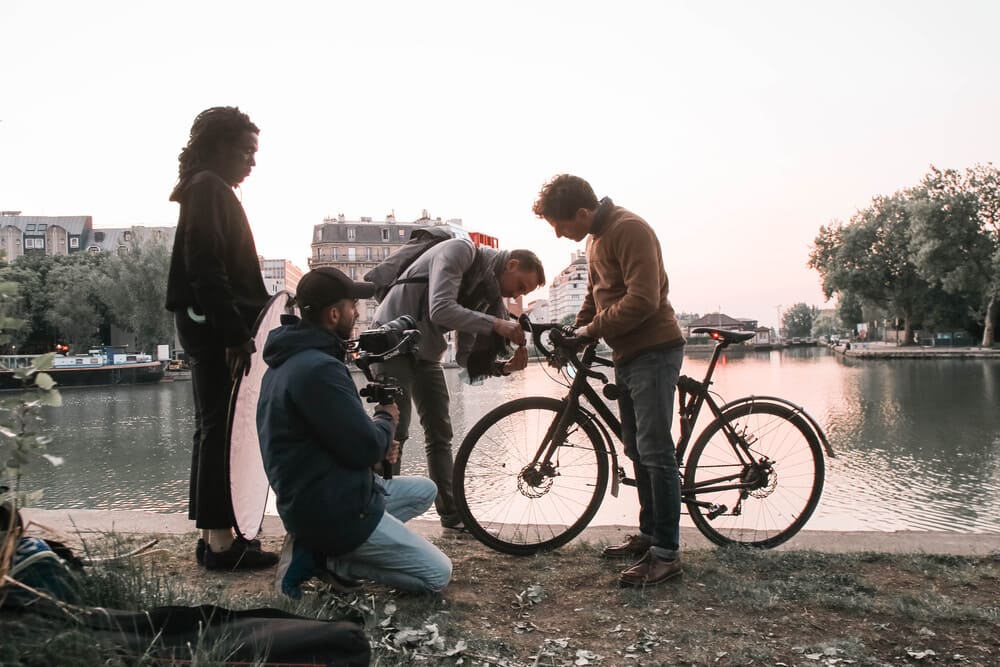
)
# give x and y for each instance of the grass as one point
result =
(731, 607)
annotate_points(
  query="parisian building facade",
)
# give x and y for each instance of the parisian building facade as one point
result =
(22, 235)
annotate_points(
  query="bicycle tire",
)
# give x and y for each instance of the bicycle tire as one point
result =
(500, 507)
(773, 513)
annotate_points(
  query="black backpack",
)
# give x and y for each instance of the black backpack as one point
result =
(385, 276)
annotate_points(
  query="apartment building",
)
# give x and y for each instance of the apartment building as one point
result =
(569, 288)
(279, 274)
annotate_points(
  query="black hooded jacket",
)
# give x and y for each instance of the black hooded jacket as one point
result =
(214, 267)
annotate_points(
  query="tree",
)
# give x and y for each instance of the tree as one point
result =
(137, 291)
(77, 311)
(955, 239)
(826, 324)
(870, 259)
(798, 320)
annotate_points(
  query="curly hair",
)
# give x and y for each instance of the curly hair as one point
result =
(562, 196)
(212, 129)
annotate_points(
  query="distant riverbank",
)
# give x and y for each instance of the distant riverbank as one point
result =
(890, 351)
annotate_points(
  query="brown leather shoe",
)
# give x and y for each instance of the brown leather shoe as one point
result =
(650, 571)
(633, 547)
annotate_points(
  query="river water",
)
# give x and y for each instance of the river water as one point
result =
(917, 441)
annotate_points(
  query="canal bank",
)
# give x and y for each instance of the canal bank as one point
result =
(78, 526)
(890, 351)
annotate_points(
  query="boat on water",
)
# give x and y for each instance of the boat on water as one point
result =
(100, 366)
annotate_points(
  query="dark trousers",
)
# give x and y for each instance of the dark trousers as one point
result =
(424, 383)
(210, 505)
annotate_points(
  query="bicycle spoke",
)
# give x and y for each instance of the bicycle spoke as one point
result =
(518, 505)
(779, 493)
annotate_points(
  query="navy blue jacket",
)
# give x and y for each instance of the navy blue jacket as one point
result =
(317, 440)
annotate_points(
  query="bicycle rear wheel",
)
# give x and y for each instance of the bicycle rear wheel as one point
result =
(518, 508)
(781, 495)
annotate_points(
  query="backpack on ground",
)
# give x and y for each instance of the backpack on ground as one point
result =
(385, 276)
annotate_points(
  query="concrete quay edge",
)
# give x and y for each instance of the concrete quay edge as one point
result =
(81, 523)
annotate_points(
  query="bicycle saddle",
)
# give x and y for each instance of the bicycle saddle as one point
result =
(724, 335)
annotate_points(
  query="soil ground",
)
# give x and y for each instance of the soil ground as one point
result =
(795, 606)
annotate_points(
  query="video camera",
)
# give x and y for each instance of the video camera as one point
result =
(392, 339)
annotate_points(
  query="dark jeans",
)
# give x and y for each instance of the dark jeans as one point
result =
(424, 382)
(647, 385)
(210, 505)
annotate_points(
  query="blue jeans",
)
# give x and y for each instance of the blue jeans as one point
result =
(647, 384)
(393, 554)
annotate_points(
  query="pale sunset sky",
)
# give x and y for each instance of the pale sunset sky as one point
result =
(735, 128)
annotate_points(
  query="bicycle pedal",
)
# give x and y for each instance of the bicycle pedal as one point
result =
(717, 511)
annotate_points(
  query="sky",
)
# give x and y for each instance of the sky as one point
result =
(736, 129)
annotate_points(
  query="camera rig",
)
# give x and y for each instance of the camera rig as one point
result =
(392, 339)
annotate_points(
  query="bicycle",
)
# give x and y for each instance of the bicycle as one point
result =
(532, 473)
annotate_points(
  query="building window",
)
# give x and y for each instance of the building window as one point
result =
(401, 233)
(98, 236)
(74, 242)
(368, 252)
(39, 243)
(127, 236)
(30, 228)
(94, 249)
(385, 234)
(41, 227)
(29, 243)
(352, 255)
(350, 233)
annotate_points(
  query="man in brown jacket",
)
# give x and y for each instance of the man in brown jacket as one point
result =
(627, 306)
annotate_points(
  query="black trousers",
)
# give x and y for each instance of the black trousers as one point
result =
(210, 504)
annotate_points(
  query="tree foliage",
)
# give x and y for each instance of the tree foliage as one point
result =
(141, 271)
(797, 322)
(925, 255)
(75, 298)
(76, 311)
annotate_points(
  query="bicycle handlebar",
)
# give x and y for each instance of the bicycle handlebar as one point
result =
(565, 346)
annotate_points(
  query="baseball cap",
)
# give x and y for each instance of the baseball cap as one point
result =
(326, 285)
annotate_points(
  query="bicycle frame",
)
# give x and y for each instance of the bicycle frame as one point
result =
(693, 395)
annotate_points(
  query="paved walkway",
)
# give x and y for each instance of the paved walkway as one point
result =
(89, 522)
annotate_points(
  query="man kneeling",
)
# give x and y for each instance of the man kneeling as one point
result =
(319, 447)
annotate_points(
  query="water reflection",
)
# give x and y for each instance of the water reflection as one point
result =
(917, 440)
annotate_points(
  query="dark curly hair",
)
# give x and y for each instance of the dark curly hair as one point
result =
(562, 196)
(212, 129)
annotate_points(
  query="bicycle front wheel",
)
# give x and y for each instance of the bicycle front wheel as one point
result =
(518, 507)
(777, 496)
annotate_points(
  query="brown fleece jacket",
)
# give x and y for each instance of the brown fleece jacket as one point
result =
(626, 302)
